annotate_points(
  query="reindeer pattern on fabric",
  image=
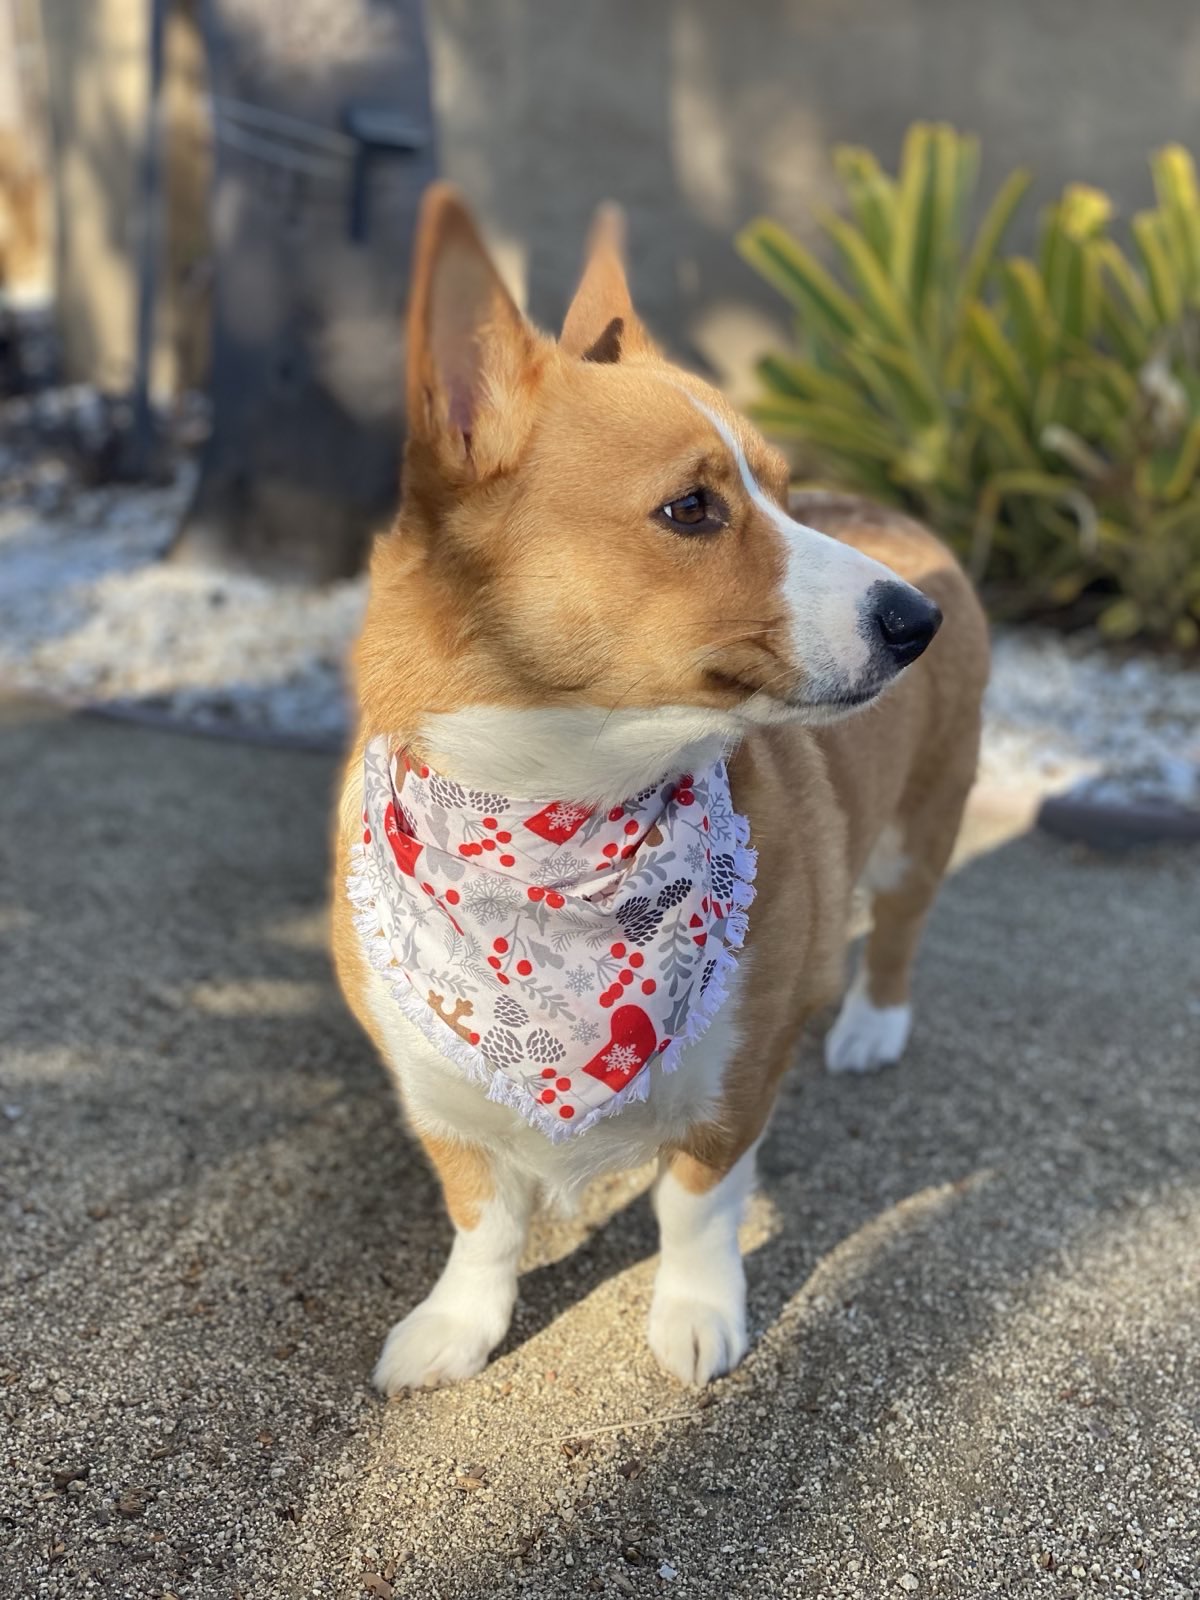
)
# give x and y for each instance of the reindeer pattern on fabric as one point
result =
(551, 949)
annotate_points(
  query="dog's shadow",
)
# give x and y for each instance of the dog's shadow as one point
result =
(626, 1238)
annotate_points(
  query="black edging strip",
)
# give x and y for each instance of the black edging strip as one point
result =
(163, 722)
(1112, 827)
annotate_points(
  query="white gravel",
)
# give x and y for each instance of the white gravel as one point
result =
(89, 613)
(1062, 713)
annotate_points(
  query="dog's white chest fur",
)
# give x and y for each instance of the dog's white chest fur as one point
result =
(441, 1101)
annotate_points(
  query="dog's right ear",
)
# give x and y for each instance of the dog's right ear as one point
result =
(601, 324)
(471, 354)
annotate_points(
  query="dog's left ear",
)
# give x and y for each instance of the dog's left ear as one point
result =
(601, 324)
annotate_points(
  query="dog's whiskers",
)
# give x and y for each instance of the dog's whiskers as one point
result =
(714, 649)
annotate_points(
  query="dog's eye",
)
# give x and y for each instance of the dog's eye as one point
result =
(698, 511)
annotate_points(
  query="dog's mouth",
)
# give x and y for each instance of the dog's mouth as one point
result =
(824, 707)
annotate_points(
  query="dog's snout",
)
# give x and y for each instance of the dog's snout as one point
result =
(906, 621)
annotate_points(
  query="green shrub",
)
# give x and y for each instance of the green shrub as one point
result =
(1043, 414)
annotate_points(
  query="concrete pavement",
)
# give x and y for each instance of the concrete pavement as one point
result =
(974, 1282)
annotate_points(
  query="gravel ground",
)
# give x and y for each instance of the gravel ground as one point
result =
(90, 614)
(973, 1280)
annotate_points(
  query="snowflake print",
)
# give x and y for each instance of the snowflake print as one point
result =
(562, 868)
(565, 817)
(621, 1058)
(416, 790)
(564, 978)
(491, 899)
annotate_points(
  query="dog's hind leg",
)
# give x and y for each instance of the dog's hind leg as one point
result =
(902, 877)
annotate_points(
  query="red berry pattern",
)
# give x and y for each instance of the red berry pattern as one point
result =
(574, 942)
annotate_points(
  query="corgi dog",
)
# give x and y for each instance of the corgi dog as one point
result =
(596, 584)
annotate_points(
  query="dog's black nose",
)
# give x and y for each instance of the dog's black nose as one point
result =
(907, 620)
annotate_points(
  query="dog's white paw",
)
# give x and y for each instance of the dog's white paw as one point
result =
(696, 1340)
(430, 1347)
(866, 1037)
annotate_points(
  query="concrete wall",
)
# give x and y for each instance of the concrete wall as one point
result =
(698, 114)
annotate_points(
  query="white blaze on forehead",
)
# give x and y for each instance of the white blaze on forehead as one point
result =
(825, 584)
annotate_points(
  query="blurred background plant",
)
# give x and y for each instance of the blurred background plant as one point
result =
(1042, 413)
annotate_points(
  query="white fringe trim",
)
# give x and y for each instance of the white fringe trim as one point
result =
(470, 1060)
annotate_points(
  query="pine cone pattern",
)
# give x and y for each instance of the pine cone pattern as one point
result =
(492, 805)
(674, 893)
(639, 919)
(566, 984)
(502, 1047)
(723, 876)
(510, 1011)
(544, 1048)
(447, 793)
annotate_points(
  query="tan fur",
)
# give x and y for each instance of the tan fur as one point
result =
(466, 1178)
(601, 322)
(516, 533)
(818, 800)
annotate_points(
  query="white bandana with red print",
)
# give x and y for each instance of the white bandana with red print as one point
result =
(552, 950)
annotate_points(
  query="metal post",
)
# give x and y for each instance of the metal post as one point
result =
(149, 248)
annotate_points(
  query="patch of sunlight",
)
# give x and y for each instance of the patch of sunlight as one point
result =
(993, 818)
(560, 1228)
(74, 1061)
(257, 997)
(15, 919)
(731, 338)
(1110, 1305)
(309, 930)
(853, 1258)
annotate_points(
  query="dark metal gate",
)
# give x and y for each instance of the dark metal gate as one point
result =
(324, 143)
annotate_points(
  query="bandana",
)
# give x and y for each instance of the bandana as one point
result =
(551, 950)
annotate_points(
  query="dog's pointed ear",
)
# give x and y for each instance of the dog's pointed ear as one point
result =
(601, 324)
(471, 353)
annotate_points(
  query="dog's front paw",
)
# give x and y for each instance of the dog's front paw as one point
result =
(430, 1347)
(866, 1037)
(696, 1339)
